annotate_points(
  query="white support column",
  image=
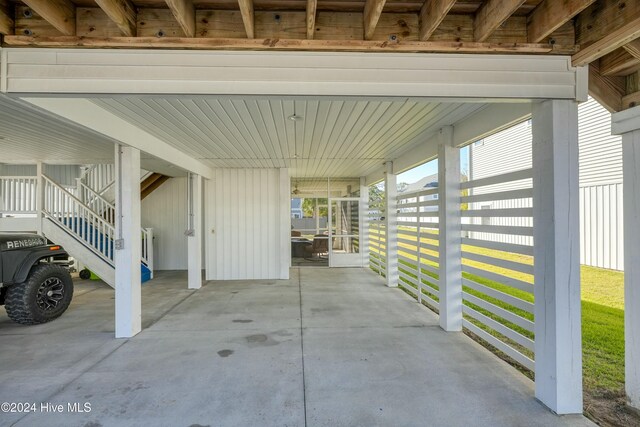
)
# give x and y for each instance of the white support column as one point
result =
(194, 231)
(558, 340)
(39, 197)
(450, 268)
(391, 225)
(128, 244)
(285, 224)
(364, 221)
(627, 123)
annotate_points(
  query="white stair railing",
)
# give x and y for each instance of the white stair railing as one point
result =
(79, 220)
(99, 177)
(18, 194)
(96, 202)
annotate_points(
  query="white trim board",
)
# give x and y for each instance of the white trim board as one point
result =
(468, 76)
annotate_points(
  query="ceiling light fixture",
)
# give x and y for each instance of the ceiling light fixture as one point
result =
(295, 117)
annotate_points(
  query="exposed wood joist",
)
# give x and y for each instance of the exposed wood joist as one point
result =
(288, 44)
(312, 5)
(604, 27)
(551, 15)
(631, 100)
(633, 48)
(372, 12)
(246, 9)
(59, 13)
(608, 91)
(122, 12)
(6, 21)
(619, 63)
(491, 15)
(431, 15)
(185, 14)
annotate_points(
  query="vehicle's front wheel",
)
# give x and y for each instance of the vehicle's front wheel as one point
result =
(43, 297)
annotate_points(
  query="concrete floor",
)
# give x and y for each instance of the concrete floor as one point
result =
(330, 347)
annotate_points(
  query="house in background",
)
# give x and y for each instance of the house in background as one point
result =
(296, 208)
(601, 243)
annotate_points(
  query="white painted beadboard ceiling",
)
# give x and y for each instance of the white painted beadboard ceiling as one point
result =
(332, 138)
(28, 135)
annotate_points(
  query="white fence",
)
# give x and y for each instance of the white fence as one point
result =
(377, 233)
(497, 273)
(601, 233)
(99, 177)
(18, 194)
(418, 248)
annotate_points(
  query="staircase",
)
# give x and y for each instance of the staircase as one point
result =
(81, 219)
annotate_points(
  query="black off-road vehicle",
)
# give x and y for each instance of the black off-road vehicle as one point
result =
(35, 284)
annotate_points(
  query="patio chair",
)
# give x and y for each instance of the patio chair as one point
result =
(319, 246)
(295, 233)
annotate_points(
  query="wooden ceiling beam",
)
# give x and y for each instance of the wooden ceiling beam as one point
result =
(246, 9)
(604, 27)
(431, 15)
(59, 13)
(633, 48)
(618, 63)
(312, 6)
(491, 15)
(372, 12)
(6, 21)
(608, 91)
(550, 15)
(288, 44)
(184, 12)
(122, 12)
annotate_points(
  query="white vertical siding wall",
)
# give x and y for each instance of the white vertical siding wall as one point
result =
(244, 228)
(64, 175)
(165, 210)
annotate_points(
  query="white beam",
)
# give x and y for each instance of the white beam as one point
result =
(558, 343)
(391, 225)
(629, 121)
(194, 231)
(450, 266)
(128, 249)
(87, 114)
(487, 121)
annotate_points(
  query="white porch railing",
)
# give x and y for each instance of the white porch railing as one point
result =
(97, 202)
(99, 177)
(18, 194)
(418, 246)
(497, 263)
(377, 242)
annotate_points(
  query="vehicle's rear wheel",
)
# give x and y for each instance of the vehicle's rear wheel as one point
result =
(43, 297)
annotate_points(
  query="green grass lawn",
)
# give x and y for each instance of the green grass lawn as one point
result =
(602, 315)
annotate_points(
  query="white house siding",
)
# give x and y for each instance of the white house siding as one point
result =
(165, 210)
(600, 182)
(503, 152)
(64, 175)
(247, 224)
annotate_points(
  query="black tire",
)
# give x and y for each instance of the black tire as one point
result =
(85, 274)
(43, 297)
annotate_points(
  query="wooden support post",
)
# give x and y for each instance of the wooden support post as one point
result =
(194, 231)
(128, 250)
(450, 237)
(558, 342)
(627, 123)
(391, 225)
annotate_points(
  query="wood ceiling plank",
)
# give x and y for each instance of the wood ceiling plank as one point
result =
(184, 12)
(122, 12)
(431, 15)
(59, 13)
(372, 12)
(312, 5)
(604, 27)
(246, 8)
(618, 63)
(491, 15)
(551, 15)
